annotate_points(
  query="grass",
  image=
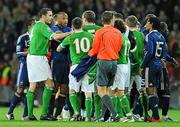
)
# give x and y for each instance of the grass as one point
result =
(175, 114)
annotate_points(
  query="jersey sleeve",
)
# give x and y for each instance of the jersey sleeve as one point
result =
(19, 47)
(65, 42)
(148, 51)
(46, 31)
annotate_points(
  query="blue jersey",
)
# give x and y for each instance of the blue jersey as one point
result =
(61, 56)
(22, 46)
(155, 50)
(144, 31)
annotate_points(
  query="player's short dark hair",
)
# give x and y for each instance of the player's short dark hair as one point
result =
(148, 16)
(155, 22)
(107, 16)
(30, 21)
(44, 11)
(77, 22)
(119, 16)
(132, 21)
(89, 15)
(163, 29)
(119, 24)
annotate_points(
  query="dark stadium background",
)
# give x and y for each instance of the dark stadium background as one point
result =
(13, 14)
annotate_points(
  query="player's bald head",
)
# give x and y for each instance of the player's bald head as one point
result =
(62, 14)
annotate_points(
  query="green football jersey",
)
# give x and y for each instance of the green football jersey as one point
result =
(91, 28)
(39, 37)
(79, 45)
(137, 54)
(124, 52)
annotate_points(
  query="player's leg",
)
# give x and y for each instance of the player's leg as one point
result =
(144, 96)
(153, 77)
(48, 89)
(18, 95)
(63, 80)
(123, 80)
(74, 87)
(88, 89)
(54, 75)
(105, 77)
(165, 96)
(97, 104)
(138, 107)
(15, 100)
(30, 100)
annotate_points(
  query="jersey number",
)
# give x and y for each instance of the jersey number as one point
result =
(126, 52)
(158, 49)
(82, 44)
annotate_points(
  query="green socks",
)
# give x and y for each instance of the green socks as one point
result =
(97, 105)
(119, 109)
(88, 104)
(46, 99)
(74, 102)
(126, 106)
(30, 103)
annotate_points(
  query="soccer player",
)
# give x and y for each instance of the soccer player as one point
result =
(22, 46)
(106, 45)
(37, 62)
(120, 101)
(79, 44)
(163, 89)
(155, 50)
(136, 56)
(59, 60)
(89, 25)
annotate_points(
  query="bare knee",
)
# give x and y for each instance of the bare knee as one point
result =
(64, 89)
(49, 83)
(120, 93)
(88, 94)
(19, 90)
(32, 86)
(151, 90)
(102, 90)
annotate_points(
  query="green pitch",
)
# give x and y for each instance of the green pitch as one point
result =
(175, 114)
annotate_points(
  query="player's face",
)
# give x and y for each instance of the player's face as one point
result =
(84, 20)
(49, 17)
(62, 20)
(148, 25)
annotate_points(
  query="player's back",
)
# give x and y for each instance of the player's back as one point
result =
(91, 28)
(156, 47)
(22, 46)
(80, 44)
(137, 52)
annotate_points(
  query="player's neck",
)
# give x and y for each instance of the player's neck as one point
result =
(89, 23)
(133, 28)
(42, 20)
(107, 25)
(78, 30)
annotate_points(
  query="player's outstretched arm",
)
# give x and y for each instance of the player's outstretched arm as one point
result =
(57, 36)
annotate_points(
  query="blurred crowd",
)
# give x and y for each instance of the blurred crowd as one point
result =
(14, 13)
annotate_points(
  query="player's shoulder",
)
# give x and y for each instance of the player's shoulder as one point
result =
(23, 37)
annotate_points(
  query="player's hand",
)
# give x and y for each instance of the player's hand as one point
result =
(141, 71)
(176, 64)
